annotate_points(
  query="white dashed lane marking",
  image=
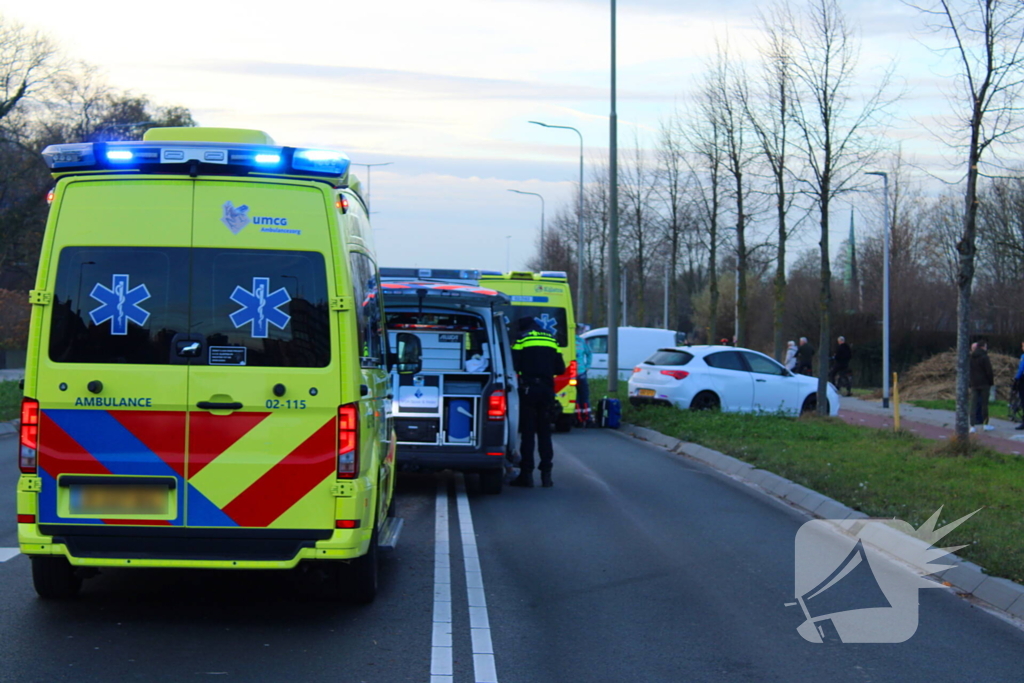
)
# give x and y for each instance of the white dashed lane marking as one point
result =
(480, 626)
(441, 641)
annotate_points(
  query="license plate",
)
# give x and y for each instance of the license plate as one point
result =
(646, 392)
(97, 499)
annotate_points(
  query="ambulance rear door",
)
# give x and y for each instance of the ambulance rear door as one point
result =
(111, 388)
(265, 382)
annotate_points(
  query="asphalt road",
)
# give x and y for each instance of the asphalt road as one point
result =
(638, 566)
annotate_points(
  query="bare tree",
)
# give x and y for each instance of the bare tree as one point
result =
(833, 134)
(769, 114)
(638, 189)
(673, 185)
(986, 38)
(730, 90)
(28, 62)
(704, 137)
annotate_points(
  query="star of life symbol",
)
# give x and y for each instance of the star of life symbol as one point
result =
(234, 217)
(260, 307)
(547, 323)
(848, 585)
(119, 305)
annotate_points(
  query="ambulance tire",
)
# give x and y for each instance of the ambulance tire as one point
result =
(563, 423)
(492, 480)
(358, 580)
(54, 578)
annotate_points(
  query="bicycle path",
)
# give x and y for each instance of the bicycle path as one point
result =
(929, 423)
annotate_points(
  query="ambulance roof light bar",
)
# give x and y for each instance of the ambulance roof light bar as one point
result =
(170, 156)
(430, 273)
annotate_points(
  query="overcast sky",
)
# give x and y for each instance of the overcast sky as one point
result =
(444, 90)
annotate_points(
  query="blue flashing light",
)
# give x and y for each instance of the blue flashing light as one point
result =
(320, 161)
(268, 159)
(120, 155)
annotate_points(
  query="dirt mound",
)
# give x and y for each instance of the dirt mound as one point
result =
(935, 379)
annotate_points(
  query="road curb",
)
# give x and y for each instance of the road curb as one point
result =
(9, 427)
(967, 577)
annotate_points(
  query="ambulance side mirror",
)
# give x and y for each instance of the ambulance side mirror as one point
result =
(408, 360)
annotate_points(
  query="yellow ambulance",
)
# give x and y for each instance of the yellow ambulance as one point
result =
(208, 367)
(546, 297)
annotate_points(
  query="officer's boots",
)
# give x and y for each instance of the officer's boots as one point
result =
(545, 479)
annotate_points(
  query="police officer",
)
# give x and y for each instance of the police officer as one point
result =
(537, 360)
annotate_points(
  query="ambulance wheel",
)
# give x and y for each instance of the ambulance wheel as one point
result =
(564, 423)
(54, 578)
(357, 582)
(491, 481)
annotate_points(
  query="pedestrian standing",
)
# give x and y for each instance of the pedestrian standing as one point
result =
(805, 357)
(584, 358)
(982, 380)
(790, 363)
(538, 361)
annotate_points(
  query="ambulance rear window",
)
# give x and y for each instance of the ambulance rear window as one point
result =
(548, 318)
(118, 304)
(140, 305)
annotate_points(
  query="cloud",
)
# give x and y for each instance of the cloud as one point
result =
(438, 85)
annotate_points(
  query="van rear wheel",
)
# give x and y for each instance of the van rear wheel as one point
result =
(54, 578)
(357, 580)
(492, 480)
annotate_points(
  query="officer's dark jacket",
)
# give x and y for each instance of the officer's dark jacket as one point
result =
(537, 358)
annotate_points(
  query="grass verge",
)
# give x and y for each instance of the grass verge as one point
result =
(880, 473)
(10, 400)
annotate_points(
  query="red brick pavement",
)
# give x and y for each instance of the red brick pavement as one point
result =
(1003, 445)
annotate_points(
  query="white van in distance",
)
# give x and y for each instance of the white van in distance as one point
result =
(636, 344)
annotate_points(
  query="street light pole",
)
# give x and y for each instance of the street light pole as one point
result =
(541, 221)
(581, 315)
(613, 231)
(885, 289)
(368, 167)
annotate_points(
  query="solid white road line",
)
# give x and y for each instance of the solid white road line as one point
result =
(480, 627)
(8, 553)
(441, 641)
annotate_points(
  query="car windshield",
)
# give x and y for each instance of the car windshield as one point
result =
(548, 318)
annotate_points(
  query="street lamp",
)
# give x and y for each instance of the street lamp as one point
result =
(885, 290)
(368, 167)
(579, 228)
(541, 220)
(613, 230)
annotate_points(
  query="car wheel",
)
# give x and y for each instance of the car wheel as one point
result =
(492, 480)
(54, 578)
(811, 405)
(705, 400)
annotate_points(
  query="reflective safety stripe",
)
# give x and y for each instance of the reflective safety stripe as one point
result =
(535, 339)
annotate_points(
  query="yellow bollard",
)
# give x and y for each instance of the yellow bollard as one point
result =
(895, 402)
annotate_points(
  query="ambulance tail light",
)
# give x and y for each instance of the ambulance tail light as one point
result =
(497, 406)
(348, 441)
(676, 374)
(29, 436)
(573, 381)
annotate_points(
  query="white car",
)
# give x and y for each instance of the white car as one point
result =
(723, 377)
